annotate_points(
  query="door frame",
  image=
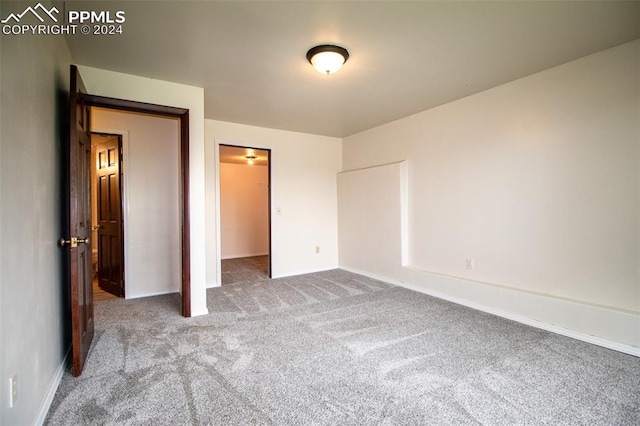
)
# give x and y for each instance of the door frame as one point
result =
(217, 144)
(182, 114)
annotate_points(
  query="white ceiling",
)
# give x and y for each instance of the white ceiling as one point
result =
(406, 57)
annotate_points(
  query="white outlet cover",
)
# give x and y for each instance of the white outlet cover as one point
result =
(13, 390)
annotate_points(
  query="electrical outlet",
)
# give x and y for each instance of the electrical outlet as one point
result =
(471, 263)
(317, 249)
(13, 390)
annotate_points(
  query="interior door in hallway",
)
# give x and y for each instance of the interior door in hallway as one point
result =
(108, 151)
(79, 168)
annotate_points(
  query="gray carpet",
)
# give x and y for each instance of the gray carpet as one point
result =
(245, 269)
(335, 348)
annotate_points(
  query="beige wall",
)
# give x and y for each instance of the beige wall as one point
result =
(151, 199)
(303, 196)
(372, 214)
(244, 210)
(538, 181)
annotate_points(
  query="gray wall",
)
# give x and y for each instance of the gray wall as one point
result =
(33, 300)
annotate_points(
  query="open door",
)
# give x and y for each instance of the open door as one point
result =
(108, 152)
(82, 319)
(79, 223)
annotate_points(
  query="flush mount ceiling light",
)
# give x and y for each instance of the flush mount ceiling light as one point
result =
(327, 58)
(250, 158)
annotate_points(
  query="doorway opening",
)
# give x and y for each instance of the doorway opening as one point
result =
(245, 219)
(107, 231)
(150, 186)
(181, 116)
(77, 178)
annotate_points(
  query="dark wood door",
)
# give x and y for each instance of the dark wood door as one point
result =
(108, 172)
(80, 223)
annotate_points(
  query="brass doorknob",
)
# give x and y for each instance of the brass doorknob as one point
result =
(73, 242)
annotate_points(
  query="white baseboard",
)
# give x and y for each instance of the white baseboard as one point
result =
(51, 392)
(151, 294)
(241, 255)
(199, 312)
(194, 312)
(609, 328)
(305, 271)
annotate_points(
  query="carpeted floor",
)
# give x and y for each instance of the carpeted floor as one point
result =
(245, 269)
(335, 348)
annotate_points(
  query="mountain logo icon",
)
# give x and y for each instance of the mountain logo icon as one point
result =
(34, 11)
